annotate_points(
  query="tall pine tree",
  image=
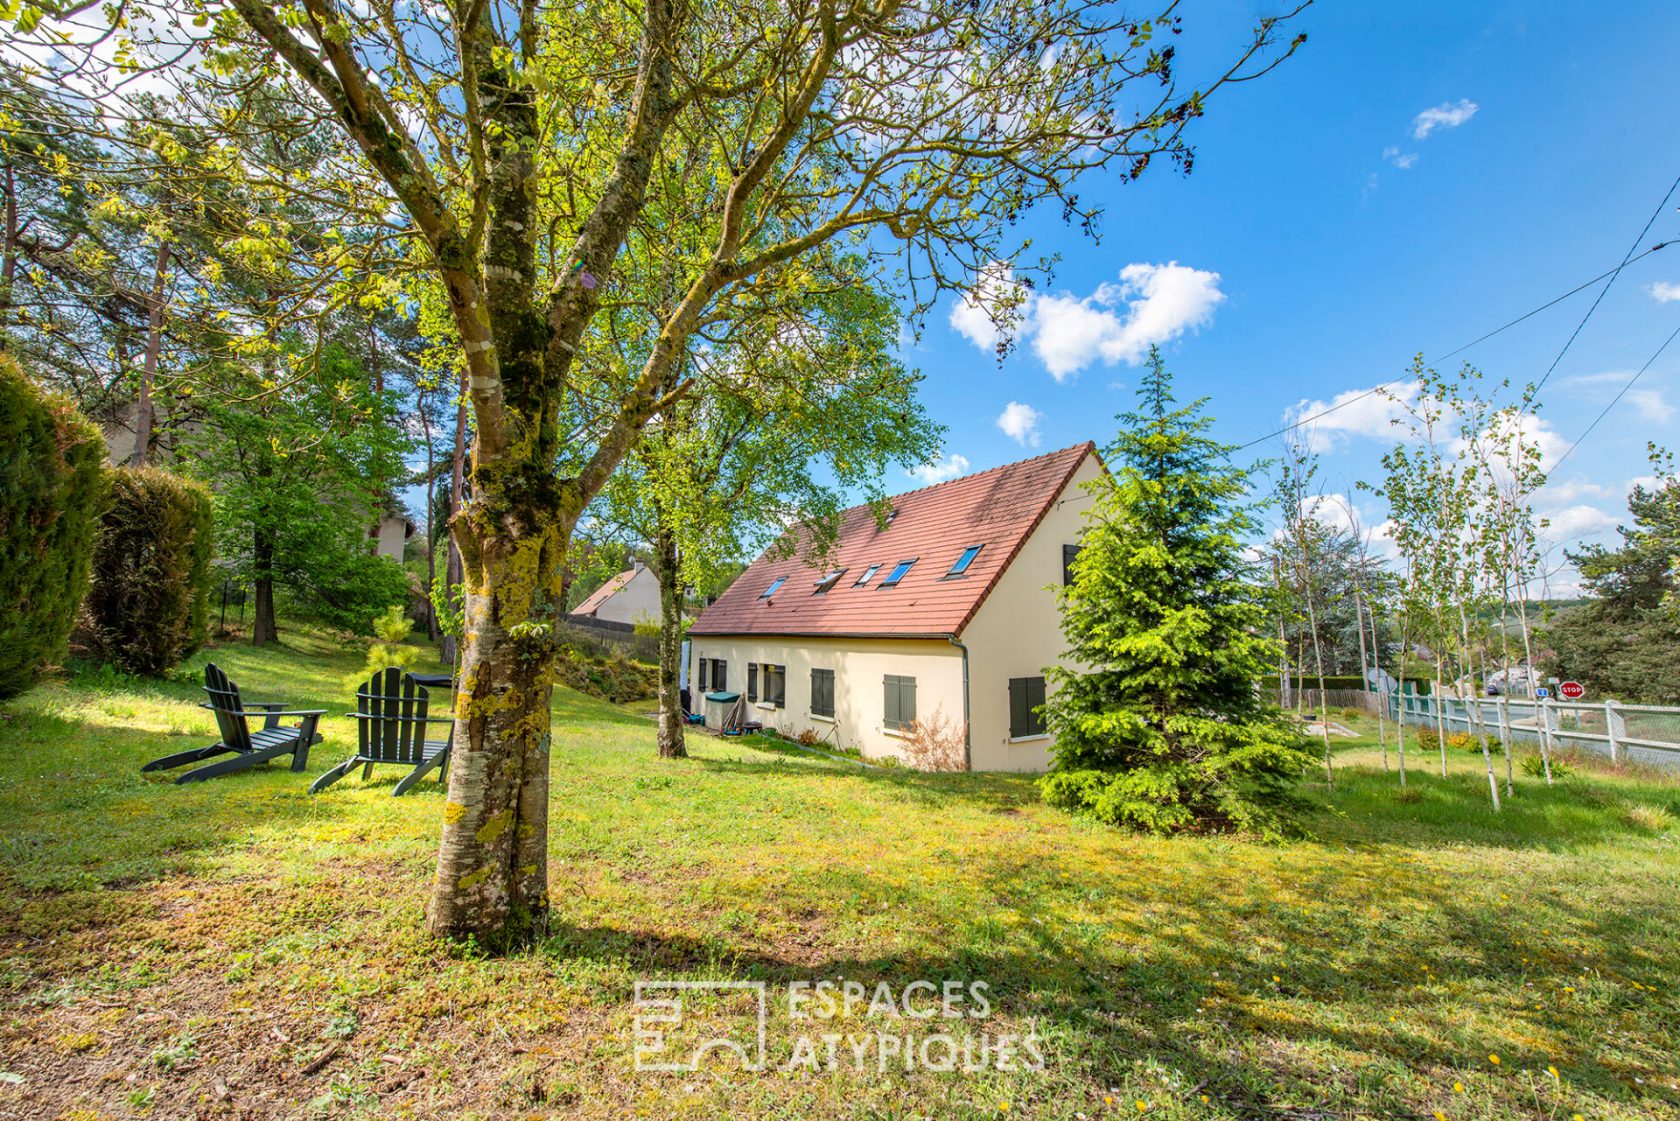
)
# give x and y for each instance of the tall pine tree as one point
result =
(1158, 723)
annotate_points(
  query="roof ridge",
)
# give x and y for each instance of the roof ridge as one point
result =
(1083, 445)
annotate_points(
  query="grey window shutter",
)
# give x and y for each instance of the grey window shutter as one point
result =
(1069, 552)
(752, 681)
(907, 700)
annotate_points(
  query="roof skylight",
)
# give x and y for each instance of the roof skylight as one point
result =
(965, 560)
(900, 570)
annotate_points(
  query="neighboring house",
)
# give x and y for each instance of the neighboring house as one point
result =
(390, 534)
(948, 608)
(632, 596)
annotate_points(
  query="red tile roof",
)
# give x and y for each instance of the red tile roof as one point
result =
(997, 509)
(606, 591)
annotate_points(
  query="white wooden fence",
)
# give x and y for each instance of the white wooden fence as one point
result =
(1633, 733)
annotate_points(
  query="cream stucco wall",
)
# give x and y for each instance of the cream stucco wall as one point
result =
(636, 602)
(859, 665)
(393, 534)
(1017, 632)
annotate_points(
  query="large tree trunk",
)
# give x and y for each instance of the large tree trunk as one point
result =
(263, 630)
(452, 572)
(492, 876)
(148, 371)
(8, 251)
(671, 745)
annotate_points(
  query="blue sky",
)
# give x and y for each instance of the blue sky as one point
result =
(1348, 232)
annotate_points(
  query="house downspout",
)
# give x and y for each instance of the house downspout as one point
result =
(968, 742)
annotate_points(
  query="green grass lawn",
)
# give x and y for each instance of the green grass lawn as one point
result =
(240, 949)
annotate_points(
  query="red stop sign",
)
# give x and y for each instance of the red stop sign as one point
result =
(1572, 690)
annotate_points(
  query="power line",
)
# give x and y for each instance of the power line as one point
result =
(1655, 214)
(1614, 401)
(1626, 261)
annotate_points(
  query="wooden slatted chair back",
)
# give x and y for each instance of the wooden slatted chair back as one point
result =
(225, 703)
(392, 724)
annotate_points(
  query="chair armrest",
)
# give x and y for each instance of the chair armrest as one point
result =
(291, 712)
(401, 719)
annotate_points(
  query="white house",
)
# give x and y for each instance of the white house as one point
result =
(632, 596)
(949, 608)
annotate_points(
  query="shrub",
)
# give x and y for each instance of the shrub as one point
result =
(936, 744)
(1535, 767)
(612, 678)
(52, 486)
(150, 595)
(349, 589)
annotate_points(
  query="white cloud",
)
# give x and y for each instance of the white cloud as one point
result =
(1358, 412)
(1020, 423)
(1647, 400)
(940, 469)
(1575, 489)
(1399, 159)
(1664, 292)
(1118, 322)
(1448, 114)
(987, 310)
(1576, 521)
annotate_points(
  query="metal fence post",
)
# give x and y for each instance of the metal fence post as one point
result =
(1610, 730)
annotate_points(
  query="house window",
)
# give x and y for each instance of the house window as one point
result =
(829, 581)
(775, 685)
(705, 666)
(898, 573)
(1026, 698)
(822, 692)
(771, 590)
(868, 575)
(720, 674)
(752, 681)
(899, 709)
(1068, 553)
(964, 561)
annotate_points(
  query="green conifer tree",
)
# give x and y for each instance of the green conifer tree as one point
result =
(1158, 723)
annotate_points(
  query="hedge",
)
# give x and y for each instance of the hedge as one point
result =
(150, 599)
(52, 488)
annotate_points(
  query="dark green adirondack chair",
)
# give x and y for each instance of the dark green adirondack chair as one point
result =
(249, 748)
(391, 719)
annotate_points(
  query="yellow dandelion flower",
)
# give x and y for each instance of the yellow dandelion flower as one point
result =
(1551, 1070)
(1494, 1059)
(1458, 1087)
(1108, 1099)
(1569, 988)
(1003, 1107)
(1204, 1097)
(1276, 978)
(1439, 1116)
(1142, 1106)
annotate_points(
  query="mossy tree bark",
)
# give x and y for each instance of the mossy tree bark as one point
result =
(668, 570)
